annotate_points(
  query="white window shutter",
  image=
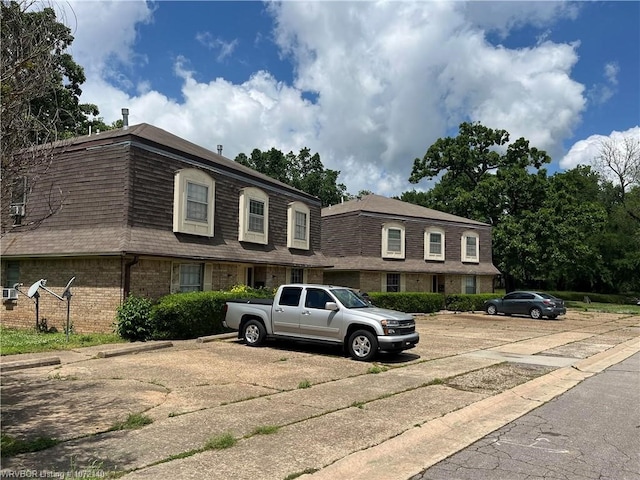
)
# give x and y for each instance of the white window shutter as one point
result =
(207, 283)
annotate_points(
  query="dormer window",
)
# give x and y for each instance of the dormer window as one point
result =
(393, 240)
(253, 216)
(470, 247)
(298, 215)
(193, 202)
(434, 246)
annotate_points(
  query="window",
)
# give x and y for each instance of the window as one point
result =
(256, 216)
(12, 274)
(300, 226)
(316, 298)
(297, 275)
(469, 285)
(434, 246)
(253, 216)
(393, 282)
(298, 215)
(469, 247)
(290, 296)
(392, 240)
(193, 202)
(197, 204)
(191, 277)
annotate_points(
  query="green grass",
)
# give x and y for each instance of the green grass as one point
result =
(133, 421)
(603, 307)
(304, 384)
(14, 341)
(219, 442)
(265, 430)
(10, 446)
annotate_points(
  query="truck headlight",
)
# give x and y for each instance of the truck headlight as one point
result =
(389, 326)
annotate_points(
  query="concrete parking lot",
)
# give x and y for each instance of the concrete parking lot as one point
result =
(298, 409)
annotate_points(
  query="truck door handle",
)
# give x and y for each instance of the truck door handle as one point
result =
(306, 312)
(279, 310)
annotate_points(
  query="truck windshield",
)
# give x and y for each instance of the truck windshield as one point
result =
(349, 298)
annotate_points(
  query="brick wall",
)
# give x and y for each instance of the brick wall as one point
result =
(96, 294)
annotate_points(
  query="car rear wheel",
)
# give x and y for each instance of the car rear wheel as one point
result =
(535, 313)
(492, 309)
(363, 345)
(254, 333)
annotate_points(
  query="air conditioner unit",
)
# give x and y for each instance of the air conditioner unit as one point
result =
(17, 210)
(9, 294)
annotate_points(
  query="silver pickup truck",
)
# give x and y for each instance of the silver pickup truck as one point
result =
(322, 313)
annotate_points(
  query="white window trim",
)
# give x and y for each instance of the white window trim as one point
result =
(386, 253)
(293, 242)
(463, 248)
(244, 235)
(180, 221)
(427, 244)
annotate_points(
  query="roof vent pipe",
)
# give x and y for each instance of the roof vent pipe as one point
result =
(125, 118)
(219, 149)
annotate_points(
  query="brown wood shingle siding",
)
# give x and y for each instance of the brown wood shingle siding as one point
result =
(93, 186)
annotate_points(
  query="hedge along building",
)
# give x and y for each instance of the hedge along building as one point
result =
(377, 244)
(144, 212)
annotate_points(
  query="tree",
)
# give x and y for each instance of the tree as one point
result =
(40, 90)
(620, 159)
(303, 171)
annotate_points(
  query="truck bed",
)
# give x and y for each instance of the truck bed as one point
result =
(256, 301)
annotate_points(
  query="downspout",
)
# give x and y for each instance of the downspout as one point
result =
(127, 276)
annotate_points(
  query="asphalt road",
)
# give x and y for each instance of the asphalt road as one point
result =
(590, 432)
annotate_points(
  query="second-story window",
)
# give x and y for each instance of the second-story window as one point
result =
(253, 224)
(434, 246)
(469, 247)
(300, 226)
(393, 240)
(197, 202)
(193, 202)
(256, 216)
(298, 215)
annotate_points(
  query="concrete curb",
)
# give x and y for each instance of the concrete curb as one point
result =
(134, 349)
(220, 336)
(32, 363)
(421, 447)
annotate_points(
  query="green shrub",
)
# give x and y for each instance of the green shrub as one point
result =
(411, 302)
(182, 316)
(133, 319)
(460, 302)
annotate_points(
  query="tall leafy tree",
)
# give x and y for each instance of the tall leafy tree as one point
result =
(39, 94)
(302, 171)
(484, 177)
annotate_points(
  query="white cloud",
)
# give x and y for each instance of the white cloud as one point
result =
(600, 93)
(584, 152)
(225, 48)
(390, 78)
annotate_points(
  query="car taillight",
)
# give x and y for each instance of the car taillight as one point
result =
(546, 301)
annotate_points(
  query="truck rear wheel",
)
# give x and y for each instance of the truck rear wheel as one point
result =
(363, 345)
(254, 333)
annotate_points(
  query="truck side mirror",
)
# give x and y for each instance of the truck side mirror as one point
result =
(331, 306)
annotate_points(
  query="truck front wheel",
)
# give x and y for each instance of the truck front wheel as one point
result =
(363, 345)
(254, 333)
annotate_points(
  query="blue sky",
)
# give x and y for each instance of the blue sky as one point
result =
(368, 85)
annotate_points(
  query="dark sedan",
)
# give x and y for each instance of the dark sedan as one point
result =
(534, 304)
